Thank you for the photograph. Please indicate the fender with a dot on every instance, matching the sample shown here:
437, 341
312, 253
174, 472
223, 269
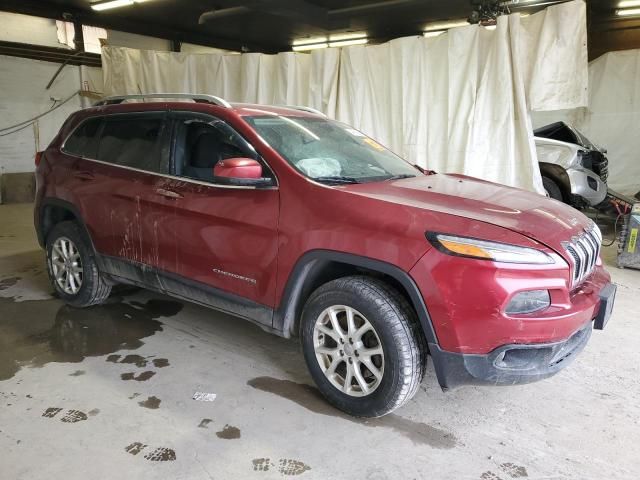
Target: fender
310, 266
55, 202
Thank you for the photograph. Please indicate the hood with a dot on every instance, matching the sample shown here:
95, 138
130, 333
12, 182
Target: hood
545, 220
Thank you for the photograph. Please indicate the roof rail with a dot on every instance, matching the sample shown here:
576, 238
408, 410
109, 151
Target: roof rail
306, 109
188, 96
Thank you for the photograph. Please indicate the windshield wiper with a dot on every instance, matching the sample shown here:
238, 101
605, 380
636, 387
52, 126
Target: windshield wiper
400, 177
336, 179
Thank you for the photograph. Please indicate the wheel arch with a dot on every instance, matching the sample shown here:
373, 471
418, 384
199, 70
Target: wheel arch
559, 176
318, 267
53, 211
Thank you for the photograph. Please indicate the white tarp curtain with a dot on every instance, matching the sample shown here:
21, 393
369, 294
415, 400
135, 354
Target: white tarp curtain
612, 118
459, 102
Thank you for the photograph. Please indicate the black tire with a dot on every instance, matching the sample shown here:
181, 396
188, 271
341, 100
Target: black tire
398, 330
95, 288
552, 189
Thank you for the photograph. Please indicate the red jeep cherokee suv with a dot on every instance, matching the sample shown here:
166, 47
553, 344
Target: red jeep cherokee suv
307, 227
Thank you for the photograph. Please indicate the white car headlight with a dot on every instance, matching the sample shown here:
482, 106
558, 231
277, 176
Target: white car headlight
485, 250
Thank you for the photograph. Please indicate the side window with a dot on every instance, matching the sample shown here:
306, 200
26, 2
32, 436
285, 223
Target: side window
135, 141
83, 142
202, 143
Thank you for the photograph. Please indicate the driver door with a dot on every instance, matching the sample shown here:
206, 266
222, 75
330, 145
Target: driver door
226, 235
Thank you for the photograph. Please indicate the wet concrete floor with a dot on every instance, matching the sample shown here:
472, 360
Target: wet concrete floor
149, 387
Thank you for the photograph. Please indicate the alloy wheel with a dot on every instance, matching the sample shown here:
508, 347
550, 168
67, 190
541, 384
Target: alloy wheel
66, 266
348, 350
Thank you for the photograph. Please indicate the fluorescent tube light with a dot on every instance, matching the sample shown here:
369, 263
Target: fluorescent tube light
628, 12
100, 6
445, 25
305, 48
309, 41
346, 43
338, 37
433, 33
629, 3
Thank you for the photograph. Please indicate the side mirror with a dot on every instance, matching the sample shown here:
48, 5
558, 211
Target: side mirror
240, 171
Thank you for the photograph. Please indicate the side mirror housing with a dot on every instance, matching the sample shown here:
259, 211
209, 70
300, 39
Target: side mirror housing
240, 171
238, 168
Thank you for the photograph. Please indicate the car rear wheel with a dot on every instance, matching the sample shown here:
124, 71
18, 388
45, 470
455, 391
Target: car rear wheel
552, 189
363, 346
72, 267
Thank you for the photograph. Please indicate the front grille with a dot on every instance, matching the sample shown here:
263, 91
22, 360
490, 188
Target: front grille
584, 249
600, 165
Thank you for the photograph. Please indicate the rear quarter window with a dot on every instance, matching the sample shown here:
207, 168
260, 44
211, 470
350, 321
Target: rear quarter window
84, 140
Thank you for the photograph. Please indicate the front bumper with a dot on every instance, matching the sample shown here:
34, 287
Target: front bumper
587, 185
509, 364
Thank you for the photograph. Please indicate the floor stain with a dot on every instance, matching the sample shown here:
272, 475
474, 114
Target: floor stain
51, 412
514, 471
151, 402
160, 362
36, 332
134, 396
262, 464
135, 448
71, 416
285, 466
77, 373
288, 466
310, 398
160, 454
94, 412
141, 377
137, 360
488, 475
204, 423
8, 282
229, 433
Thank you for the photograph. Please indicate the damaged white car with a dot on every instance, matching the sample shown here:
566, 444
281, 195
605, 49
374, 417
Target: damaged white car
574, 169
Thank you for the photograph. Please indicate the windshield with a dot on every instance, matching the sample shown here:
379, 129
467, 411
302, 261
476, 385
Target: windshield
330, 151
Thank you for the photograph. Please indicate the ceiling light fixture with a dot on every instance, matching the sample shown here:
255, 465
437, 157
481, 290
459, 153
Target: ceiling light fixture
109, 4
306, 48
333, 40
629, 3
628, 12
347, 43
440, 26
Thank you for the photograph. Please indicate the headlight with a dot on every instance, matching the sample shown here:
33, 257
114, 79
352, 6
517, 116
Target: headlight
482, 249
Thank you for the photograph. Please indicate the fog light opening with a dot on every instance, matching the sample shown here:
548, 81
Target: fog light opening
529, 302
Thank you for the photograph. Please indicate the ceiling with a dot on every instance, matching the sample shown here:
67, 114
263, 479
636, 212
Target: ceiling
272, 25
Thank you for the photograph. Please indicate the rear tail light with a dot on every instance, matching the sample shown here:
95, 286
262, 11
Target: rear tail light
38, 158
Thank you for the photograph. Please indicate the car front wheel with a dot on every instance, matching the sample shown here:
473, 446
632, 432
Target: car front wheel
363, 346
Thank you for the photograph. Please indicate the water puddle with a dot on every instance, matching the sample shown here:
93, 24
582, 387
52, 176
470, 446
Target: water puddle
310, 398
36, 332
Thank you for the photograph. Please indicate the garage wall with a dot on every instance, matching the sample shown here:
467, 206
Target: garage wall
23, 94
26, 29
612, 118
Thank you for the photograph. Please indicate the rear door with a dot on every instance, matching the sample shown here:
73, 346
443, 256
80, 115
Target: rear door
118, 193
227, 234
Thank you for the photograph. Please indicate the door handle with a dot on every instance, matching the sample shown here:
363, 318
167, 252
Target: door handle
168, 193
84, 176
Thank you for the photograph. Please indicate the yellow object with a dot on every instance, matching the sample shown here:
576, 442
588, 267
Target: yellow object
465, 249
374, 144
632, 240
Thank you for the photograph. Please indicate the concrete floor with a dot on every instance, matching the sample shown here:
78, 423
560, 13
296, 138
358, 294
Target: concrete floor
108, 393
